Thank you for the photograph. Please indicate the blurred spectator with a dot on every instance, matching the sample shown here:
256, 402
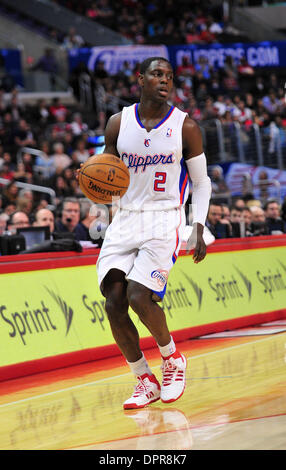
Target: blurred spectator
243, 113
259, 87
258, 221
77, 125
225, 212
246, 74
219, 186
60, 159
41, 113
44, 164
73, 40
185, 71
6, 172
247, 185
263, 185
214, 221
99, 72
81, 152
28, 162
69, 141
59, 128
47, 63
58, 109
235, 214
220, 105
17, 219
24, 204
10, 194
16, 110
105, 13
274, 222
246, 219
23, 135
246, 216
70, 218
206, 35
235, 220
9, 209
3, 223
230, 82
61, 187
92, 11
7, 132
203, 67
239, 203
43, 218
225, 218
270, 102
251, 202
244, 68
20, 174
192, 36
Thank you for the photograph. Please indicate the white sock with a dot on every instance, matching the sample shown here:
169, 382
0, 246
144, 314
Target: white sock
168, 349
140, 367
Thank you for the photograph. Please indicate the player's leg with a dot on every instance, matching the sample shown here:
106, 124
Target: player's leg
127, 338
116, 306
153, 317
140, 298
147, 281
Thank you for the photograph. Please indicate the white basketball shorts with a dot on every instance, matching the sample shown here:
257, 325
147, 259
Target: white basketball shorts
144, 245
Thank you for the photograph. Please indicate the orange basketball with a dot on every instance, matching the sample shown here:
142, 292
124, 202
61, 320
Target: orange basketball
103, 178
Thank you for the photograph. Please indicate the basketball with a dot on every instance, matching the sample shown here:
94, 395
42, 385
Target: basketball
103, 178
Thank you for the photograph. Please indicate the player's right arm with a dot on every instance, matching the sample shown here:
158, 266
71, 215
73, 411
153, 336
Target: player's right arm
111, 134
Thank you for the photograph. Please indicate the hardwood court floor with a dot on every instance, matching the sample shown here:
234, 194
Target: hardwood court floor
235, 399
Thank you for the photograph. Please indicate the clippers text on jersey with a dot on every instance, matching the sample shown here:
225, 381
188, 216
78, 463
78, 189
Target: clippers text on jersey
136, 161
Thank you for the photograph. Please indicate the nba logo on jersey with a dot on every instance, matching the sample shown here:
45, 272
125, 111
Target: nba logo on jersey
147, 142
169, 132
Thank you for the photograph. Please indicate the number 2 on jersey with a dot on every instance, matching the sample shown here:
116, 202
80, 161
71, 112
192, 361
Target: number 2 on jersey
160, 180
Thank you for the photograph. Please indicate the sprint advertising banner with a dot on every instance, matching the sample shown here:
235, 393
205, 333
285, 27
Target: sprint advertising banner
51, 312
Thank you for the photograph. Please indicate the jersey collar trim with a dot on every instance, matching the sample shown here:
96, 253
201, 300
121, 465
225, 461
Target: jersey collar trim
159, 123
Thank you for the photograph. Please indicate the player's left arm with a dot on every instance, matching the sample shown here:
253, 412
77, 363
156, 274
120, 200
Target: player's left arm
197, 168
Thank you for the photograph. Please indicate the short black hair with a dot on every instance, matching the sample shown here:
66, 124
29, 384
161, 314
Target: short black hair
234, 208
268, 202
214, 202
146, 63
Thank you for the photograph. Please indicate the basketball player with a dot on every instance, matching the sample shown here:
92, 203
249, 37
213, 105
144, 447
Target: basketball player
143, 240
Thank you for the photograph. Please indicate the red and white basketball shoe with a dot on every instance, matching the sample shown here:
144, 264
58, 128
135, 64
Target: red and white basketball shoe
146, 391
174, 377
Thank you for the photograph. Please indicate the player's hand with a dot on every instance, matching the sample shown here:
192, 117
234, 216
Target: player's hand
200, 251
77, 172
197, 243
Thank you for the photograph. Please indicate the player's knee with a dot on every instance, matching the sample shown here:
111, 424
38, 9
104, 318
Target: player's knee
116, 309
137, 301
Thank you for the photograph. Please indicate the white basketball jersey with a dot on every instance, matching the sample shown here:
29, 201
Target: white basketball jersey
158, 173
